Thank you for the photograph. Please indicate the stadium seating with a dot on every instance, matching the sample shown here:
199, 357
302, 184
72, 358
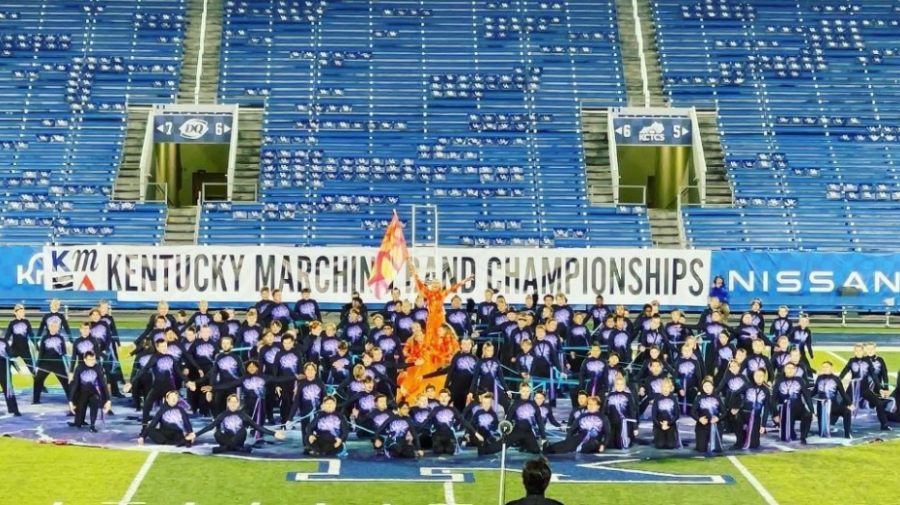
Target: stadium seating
70, 68
808, 115
473, 107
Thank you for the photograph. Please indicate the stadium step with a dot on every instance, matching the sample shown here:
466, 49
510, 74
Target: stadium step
128, 181
212, 40
631, 54
719, 192
665, 230
181, 226
246, 167
595, 126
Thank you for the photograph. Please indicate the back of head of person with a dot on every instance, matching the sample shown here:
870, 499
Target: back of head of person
536, 477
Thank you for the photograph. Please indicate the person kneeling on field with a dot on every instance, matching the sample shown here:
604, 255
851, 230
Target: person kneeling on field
326, 433
170, 426
88, 392
231, 428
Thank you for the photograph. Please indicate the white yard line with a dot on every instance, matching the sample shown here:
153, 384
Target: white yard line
449, 494
136, 483
753, 482
836, 356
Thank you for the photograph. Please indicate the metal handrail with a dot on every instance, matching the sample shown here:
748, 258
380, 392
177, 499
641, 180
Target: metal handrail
699, 156
613, 155
682, 200
638, 34
682, 234
141, 187
200, 52
643, 192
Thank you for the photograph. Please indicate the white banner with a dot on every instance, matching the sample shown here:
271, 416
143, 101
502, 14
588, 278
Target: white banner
236, 274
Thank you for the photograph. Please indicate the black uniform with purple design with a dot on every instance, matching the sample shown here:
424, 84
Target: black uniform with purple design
87, 391
246, 338
231, 431
419, 416
203, 353
227, 367
458, 319
589, 433
253, 389
865, 384
730, 389
6, 363
54, 317
287, 366
164, 369
754, 411
327, 429
151, 333
527, 425
709, 435
400, 437
460, 375
833, 403
80, 347
791, 401
19, 337
51, 360
308, 396
620, 409
665, 408
444, 420
486, 424
489, 379
592, 376
169, 426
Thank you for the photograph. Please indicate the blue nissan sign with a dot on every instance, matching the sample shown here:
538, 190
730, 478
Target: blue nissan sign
183, 128
652, 131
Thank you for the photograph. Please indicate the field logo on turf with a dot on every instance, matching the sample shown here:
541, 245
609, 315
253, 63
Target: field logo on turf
565, 472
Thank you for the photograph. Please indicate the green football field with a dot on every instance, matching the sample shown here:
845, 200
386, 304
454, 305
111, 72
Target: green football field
37, 474
46, 475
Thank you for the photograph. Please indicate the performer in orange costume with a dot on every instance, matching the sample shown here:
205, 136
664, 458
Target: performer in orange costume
437, 347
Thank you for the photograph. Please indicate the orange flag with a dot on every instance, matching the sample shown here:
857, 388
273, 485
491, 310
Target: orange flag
391, 256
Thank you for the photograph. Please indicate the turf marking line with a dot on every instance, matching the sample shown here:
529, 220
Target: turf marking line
136, 483
449, 495
837, 356
753, 482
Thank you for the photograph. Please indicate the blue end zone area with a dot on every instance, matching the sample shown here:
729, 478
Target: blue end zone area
47, 423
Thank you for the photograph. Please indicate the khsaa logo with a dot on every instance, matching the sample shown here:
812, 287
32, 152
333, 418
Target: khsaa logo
653, 133
193, 129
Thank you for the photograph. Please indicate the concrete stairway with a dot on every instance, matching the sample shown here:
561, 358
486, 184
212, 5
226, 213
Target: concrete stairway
594, 126
181, 226
246, 167
209, 78
719, 192
664, 229
128, 181
631, 54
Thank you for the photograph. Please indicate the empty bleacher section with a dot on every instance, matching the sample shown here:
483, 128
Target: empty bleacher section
470, 106
808, 114
69, 69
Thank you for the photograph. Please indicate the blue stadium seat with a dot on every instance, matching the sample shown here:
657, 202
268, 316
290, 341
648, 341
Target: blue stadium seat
473, 107
808, 117
70, 69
